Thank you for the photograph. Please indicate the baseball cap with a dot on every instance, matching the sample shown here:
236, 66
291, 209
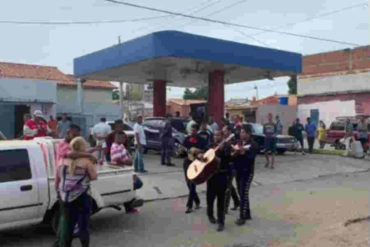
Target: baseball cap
37, 113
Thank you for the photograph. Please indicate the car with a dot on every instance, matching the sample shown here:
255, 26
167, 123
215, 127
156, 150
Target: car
27, 190
152, 129
337, 131
283, 142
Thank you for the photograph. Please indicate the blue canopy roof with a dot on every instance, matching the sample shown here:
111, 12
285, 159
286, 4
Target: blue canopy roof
185, 60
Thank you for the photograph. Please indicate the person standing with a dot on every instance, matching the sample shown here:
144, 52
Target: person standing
311, 134
363, 135
197, 142
166, 142
72, 184
190, 123
206, 133
231, 192
348, 138
100, 132
63, 126
298, 133
118, 128
213, 125
53, 126
140, 142
269, 130
279, 126
244, 154
35, 127
321, 134
217, 184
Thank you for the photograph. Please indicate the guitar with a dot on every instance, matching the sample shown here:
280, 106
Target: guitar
200, 171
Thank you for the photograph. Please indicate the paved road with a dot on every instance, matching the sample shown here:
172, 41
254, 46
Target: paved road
292, 205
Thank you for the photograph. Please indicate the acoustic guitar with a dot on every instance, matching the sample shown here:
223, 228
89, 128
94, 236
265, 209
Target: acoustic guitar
200, 171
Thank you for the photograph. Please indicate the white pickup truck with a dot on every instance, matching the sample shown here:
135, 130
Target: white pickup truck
27, 184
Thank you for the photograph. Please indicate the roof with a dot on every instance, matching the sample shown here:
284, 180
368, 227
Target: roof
185, 60
186, 102
47, 73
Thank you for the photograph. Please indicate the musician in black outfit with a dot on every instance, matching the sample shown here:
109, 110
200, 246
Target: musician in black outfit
193, 141
231, 191
244, 159
217, 184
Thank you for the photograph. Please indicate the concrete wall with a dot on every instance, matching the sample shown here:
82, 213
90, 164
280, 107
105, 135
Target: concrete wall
287, 114
334, 84
94, 95
26, 90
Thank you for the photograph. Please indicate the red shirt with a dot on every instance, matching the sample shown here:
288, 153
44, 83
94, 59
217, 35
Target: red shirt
32, 125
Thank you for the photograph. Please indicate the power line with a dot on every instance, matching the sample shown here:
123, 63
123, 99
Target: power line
230, 24
315, 17
80, 22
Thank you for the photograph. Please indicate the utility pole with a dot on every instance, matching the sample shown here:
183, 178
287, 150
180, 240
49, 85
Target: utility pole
121, 98
256, 88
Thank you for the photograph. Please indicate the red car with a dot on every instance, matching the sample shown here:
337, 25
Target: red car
336, 132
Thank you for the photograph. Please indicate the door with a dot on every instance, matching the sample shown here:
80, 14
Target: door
18, 188
20, 110
315, 117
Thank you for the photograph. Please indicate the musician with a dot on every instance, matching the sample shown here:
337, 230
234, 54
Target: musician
244, 155
231, 191
195, 146
217, 184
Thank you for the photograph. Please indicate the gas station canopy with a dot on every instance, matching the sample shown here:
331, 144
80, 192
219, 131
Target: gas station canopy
185, 60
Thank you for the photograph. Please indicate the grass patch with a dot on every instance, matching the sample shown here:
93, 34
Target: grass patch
329, 152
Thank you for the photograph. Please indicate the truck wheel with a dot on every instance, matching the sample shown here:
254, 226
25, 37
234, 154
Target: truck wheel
145, 150
281, 151
54, 221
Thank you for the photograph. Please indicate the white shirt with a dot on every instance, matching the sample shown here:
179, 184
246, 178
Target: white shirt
101, 130
139, 129
214, 127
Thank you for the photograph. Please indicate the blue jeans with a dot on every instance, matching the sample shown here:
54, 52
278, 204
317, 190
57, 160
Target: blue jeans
139, 160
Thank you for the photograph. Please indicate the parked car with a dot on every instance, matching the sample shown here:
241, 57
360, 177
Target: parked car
337, 131
27, 185
153, 127
283, 143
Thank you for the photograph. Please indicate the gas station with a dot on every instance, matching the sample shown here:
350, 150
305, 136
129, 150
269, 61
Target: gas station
178, 59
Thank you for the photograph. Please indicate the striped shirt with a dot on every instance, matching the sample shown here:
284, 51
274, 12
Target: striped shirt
118, 153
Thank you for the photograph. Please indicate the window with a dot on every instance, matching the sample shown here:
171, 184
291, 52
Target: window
337, 126
14, 165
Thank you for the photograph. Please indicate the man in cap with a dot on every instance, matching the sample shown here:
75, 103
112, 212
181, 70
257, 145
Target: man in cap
35, 127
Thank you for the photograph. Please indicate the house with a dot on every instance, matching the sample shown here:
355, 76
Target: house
184, 106
26, 88
335, 84
23, 89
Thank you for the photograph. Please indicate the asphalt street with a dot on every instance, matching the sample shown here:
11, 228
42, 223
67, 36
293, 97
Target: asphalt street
304, 201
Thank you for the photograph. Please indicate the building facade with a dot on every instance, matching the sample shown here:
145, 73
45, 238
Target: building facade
335, 84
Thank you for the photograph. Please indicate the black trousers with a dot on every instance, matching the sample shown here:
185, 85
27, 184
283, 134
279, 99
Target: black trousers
231, 192
311, 141
216, 188
166, 150
244, 179
75, 213
193, 196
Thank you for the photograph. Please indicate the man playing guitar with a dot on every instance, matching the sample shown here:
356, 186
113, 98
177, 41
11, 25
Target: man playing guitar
217, 184
196, 146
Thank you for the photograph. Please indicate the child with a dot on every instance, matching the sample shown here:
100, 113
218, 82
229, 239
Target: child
119, 154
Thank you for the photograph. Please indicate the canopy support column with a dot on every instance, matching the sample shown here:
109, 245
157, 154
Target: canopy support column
216, 95
159, 98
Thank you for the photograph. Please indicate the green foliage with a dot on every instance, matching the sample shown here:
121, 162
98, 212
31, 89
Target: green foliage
199, 93
292, 85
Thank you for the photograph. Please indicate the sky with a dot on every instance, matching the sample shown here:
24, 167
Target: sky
58, 45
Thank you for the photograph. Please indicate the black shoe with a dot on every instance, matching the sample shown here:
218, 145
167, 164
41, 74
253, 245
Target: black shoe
248, 217
212, 220
235, 207
170, 164
163, 163
240, 222
220, 227
197, 206
144, 171
188, 210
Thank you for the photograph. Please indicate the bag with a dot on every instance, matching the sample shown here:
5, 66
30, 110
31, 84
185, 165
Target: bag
137, 183
357, 150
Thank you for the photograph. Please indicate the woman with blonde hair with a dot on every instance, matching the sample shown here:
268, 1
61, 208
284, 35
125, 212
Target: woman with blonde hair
73, 184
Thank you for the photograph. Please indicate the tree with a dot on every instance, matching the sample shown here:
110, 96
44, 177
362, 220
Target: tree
292, 84
199, 93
